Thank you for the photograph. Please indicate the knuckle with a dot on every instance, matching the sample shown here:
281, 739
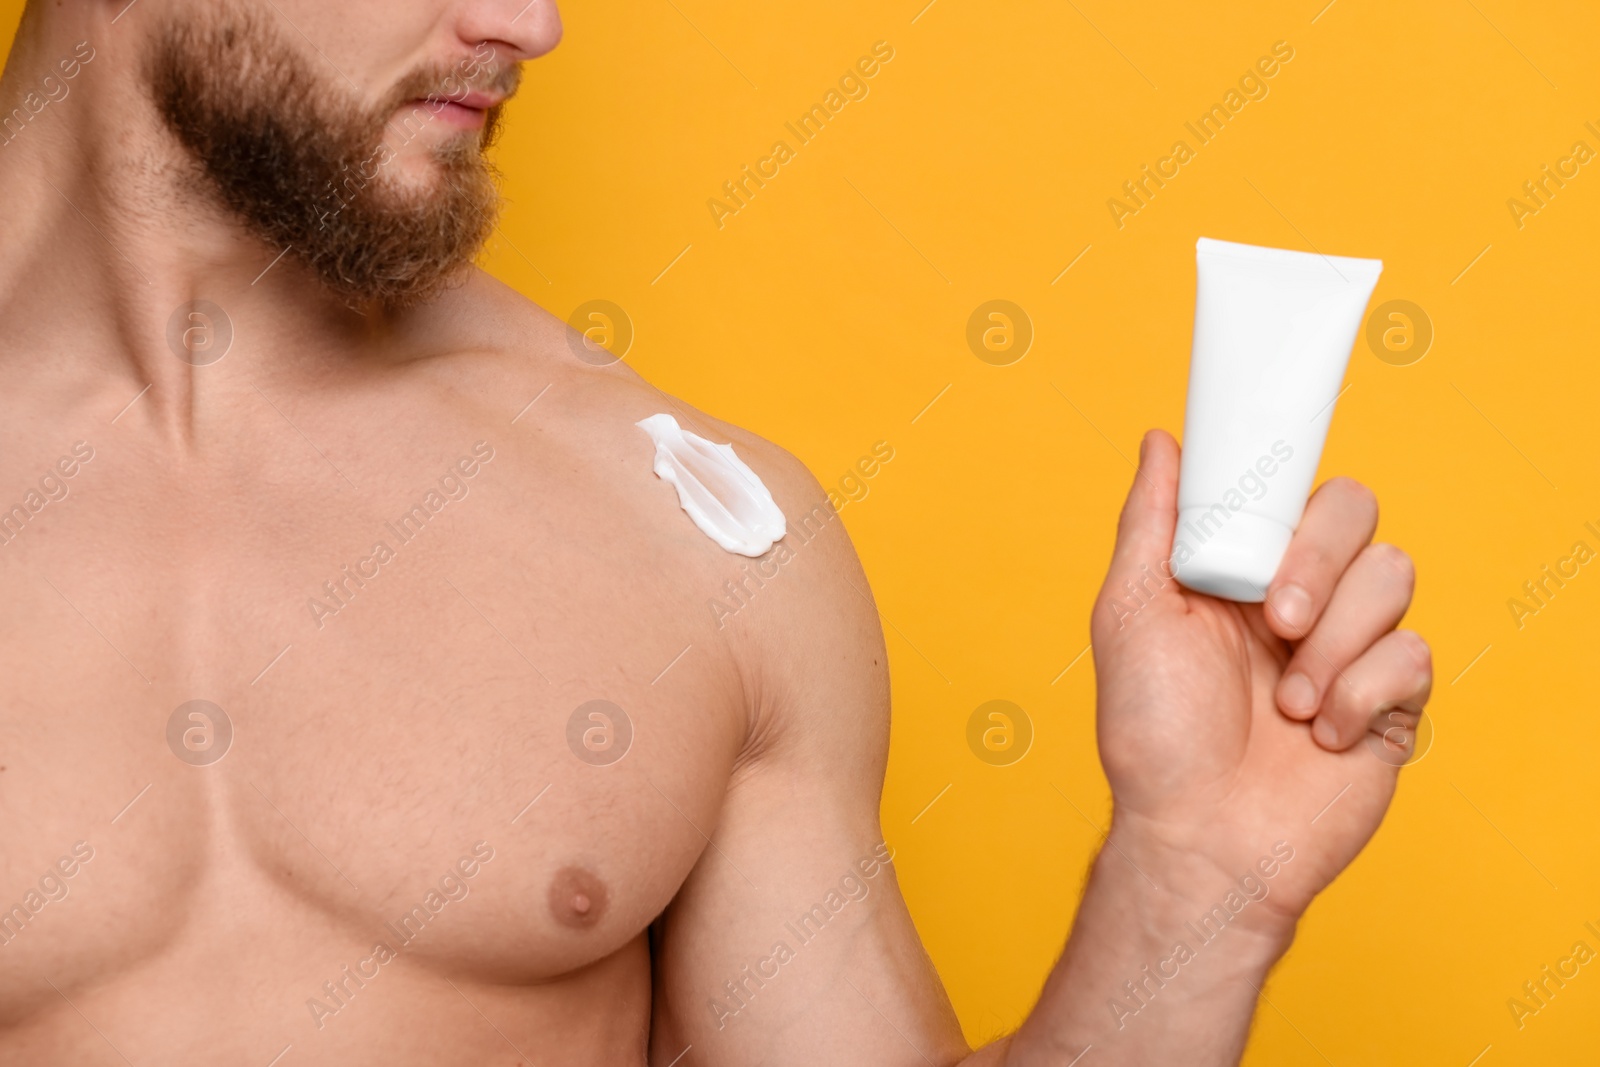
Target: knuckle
1401, 716
1356, 493
1395, 562
1314, 666
1360, 701
1418, 649
1314, 561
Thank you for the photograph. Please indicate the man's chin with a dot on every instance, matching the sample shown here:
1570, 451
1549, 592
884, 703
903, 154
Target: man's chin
405, 245
415, 178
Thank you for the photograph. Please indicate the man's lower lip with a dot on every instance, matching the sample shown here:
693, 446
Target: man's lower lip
456, 114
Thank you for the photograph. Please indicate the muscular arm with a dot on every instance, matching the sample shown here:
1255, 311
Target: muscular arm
1217, 843
790, 943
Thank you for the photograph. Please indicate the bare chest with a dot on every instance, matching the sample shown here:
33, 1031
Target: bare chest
438, 712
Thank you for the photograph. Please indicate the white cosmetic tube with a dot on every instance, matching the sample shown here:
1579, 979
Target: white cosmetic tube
1273, 331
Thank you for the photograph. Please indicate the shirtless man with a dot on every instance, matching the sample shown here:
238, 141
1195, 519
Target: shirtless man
269, 440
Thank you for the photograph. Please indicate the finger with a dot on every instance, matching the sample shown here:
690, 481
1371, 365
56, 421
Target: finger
1370, 599
1383, 692
1340, 517
1141, 562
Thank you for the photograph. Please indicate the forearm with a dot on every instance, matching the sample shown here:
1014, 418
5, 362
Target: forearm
1144, 979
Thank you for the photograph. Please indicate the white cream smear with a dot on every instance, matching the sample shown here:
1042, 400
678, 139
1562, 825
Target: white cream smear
723, 496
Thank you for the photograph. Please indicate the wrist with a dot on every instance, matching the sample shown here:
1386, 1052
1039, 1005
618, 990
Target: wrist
1151, 973
1183, 895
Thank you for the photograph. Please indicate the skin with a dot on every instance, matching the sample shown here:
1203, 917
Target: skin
422, 730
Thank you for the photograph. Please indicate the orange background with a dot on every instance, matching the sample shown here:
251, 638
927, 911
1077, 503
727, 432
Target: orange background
832, 308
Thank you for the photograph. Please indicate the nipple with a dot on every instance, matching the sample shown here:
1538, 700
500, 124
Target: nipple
577, 898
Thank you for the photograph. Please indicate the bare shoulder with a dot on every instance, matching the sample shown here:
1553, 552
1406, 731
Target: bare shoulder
800, 617
806, 614
806, 620
513, 355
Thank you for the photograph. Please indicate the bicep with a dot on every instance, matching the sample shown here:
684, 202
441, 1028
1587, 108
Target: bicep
790, 943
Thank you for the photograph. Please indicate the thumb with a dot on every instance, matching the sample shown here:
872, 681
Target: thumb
1143, 551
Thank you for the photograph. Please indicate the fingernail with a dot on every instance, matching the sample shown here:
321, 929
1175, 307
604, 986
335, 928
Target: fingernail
1297, 693
1144, 445
1325, 733
1293, 606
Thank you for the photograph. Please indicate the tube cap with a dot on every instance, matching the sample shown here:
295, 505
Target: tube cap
1234, 557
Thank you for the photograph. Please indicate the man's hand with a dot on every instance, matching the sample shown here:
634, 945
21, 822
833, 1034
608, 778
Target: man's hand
1233, 735
1225, 728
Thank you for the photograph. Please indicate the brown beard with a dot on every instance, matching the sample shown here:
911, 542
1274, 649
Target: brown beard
299, 162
